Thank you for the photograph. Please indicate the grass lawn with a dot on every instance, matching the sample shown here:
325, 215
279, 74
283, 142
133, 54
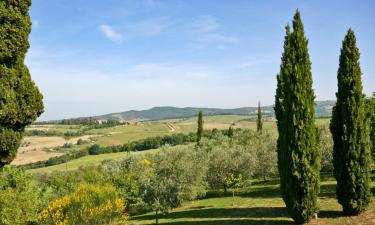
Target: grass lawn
87, 160
259, 204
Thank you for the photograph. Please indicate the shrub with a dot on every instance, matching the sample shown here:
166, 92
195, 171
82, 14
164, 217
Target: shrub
88, 204
20, 197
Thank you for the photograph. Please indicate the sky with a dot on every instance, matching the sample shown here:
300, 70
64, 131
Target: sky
96, 57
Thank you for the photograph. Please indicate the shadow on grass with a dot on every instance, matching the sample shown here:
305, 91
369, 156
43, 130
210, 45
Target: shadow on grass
233, 222
330, 214
263, 192
256, 212
327, 191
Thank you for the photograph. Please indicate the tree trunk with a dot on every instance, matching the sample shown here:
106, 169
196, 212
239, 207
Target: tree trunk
233, 197
156, 217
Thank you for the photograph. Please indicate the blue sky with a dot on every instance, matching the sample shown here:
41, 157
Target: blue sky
96, 57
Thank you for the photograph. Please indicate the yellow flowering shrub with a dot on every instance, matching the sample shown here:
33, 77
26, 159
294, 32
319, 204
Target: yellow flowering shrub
88, 204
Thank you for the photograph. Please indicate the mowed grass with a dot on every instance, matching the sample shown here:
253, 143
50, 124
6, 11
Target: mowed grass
257, 205
87, 160
125, 134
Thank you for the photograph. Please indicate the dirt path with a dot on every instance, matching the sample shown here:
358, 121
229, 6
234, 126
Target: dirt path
171, 127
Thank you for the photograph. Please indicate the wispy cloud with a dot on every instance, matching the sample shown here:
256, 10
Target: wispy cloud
150, 27
206, 24
208, 31
110, 33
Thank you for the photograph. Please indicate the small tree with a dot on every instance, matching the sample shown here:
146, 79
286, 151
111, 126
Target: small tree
351, 149
161, 194
259, 119
233, 182
230, 131
200, 126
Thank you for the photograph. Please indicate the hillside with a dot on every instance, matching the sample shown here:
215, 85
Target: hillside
323, 109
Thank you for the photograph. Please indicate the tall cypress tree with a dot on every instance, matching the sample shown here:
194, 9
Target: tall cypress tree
200, 126
259, 119
351, 149
20, 100
298, 154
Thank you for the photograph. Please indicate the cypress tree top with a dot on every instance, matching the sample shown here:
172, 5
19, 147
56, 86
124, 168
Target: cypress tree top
200, 126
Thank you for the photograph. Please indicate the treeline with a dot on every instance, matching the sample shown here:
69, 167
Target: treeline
90, 122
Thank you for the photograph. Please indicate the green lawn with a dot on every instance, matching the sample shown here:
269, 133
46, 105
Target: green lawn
259, 204
87, 160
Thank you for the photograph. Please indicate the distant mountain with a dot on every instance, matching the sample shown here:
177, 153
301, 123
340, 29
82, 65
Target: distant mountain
323, 109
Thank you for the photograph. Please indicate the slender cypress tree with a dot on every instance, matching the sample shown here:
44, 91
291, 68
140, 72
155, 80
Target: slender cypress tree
230, 131
20, 100
259, 119
351, 149
298, 154
200, 126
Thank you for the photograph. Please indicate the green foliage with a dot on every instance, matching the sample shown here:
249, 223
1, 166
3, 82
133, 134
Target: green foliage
230, 131
259, 119
351, 150
227, 157
371, 114
200, 127
20, 198
326, 144
20, 101
298, 155
88, 204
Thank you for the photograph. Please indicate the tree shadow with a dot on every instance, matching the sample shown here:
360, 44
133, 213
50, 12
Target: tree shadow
263, 192
330, 214
255, 212
327, 191
233, 222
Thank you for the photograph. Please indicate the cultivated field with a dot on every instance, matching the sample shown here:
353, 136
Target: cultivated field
36, 148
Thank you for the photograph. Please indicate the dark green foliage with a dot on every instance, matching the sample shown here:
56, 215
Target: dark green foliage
20, 100
298, 155
259, 119
230, 131
371, 114
351, 150
200, 127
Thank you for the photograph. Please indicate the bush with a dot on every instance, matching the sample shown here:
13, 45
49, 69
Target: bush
88, 204
20, 197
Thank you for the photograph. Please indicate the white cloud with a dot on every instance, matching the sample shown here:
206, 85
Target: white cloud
111, 34
218, 38
73, 91
150, 27
207, 31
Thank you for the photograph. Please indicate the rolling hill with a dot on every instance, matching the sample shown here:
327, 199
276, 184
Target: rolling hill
322, 109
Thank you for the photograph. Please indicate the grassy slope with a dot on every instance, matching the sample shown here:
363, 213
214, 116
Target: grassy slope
87, 160
259, 204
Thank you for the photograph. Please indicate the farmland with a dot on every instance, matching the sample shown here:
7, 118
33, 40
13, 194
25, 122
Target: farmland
39, 147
